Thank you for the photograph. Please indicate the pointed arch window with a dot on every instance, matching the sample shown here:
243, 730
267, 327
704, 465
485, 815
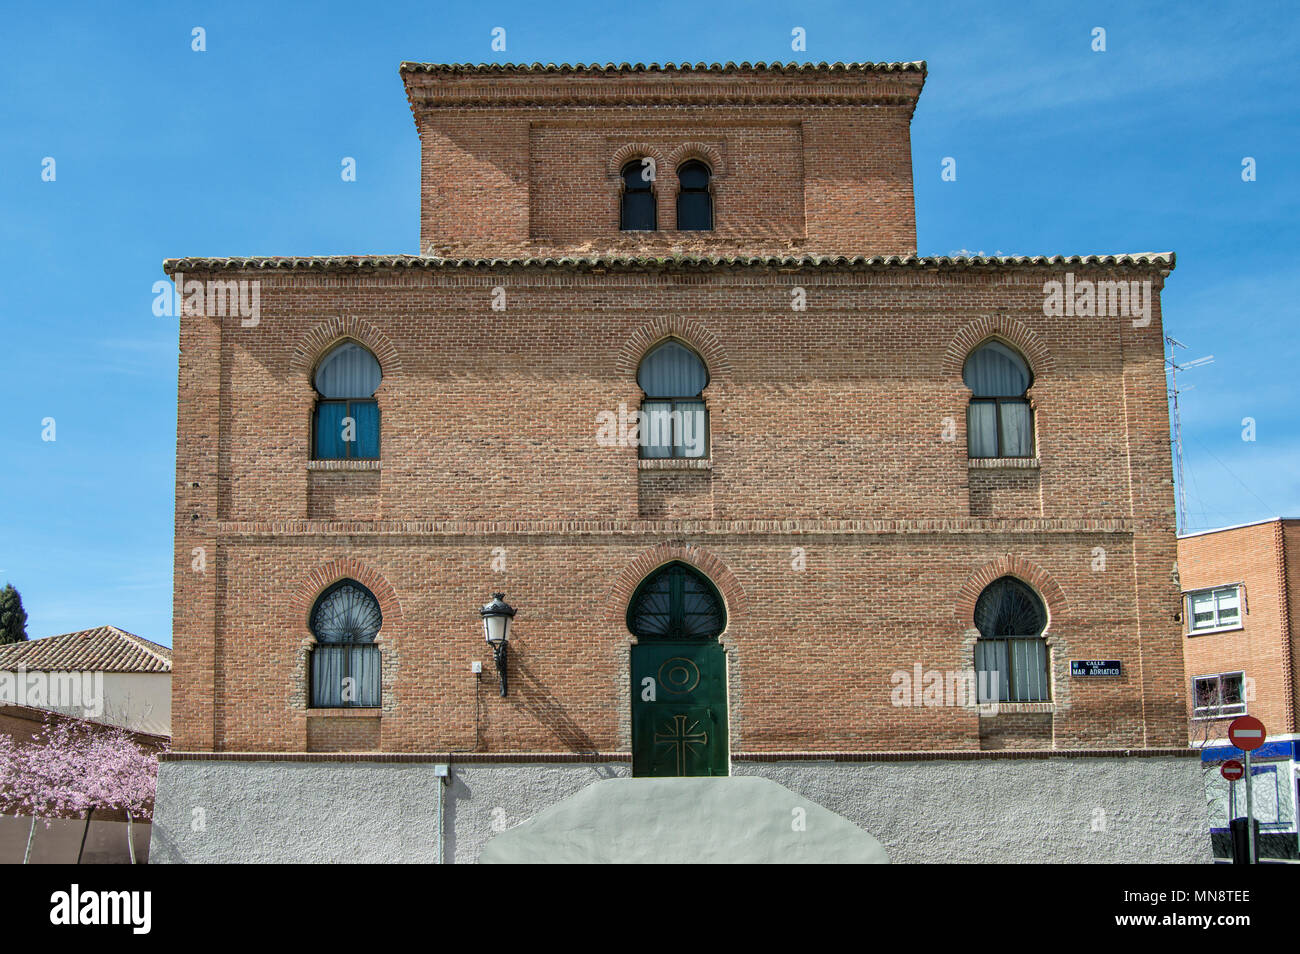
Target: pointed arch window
345, 422
694, 197
999, 421
1011, 654
676, 602
674, 418
345, 663
637, 204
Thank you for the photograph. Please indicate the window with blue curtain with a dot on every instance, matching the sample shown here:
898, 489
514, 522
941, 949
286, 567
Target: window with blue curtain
345, 663
674, 419
637, 204
345, 423
694, 199
999, 421
1011, 654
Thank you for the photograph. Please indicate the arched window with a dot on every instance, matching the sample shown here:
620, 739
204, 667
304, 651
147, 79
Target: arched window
674, 420
999, 422
1010, 654
345, 661
346, 419
637, 206
676, 602
694, 200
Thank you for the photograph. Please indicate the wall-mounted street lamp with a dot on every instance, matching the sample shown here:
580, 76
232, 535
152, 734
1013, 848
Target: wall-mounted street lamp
497, 617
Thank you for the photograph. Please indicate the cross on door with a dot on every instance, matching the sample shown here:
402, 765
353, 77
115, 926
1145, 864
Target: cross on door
681, 738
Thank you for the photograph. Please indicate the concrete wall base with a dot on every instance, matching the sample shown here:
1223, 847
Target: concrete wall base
1057, 809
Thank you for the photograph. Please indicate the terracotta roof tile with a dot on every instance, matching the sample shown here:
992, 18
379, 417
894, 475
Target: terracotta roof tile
358, 262
917, 66
102, 649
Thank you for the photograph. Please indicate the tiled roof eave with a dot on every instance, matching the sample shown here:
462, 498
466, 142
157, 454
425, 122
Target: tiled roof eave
1161, 260
499, 69
102, 649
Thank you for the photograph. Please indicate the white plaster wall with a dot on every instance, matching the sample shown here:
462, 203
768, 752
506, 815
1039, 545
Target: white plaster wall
1062, 810
140, 701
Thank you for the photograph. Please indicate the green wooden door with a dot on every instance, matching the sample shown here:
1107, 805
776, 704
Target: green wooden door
679, 709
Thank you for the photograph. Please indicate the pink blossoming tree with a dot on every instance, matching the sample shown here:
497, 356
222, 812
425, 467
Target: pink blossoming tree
72, 767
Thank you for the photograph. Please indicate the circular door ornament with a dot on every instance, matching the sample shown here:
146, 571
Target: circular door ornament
679, 675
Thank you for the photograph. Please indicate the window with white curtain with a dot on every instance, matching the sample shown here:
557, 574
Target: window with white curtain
1216, 608
345, 663
999, 421
674, 419
1011, 655
345, 422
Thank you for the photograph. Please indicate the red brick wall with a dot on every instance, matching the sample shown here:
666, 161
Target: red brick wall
1254, 556
528, 163
827, 434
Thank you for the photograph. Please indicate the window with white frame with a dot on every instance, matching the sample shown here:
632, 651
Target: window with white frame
1219, 696
1216, 608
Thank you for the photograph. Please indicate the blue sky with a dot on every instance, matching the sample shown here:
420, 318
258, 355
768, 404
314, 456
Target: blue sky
162, 151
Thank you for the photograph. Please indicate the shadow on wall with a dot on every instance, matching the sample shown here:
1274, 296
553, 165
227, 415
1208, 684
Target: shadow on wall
59, 844
535, 699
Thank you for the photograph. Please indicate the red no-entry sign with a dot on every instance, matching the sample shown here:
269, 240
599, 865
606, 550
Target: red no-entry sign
1246, 733
1232, 770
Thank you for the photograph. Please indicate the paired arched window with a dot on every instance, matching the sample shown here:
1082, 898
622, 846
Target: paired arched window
999, 421
694, 198
637, 206
676, 602
345, 424
674, 419
345, 663
1011, 654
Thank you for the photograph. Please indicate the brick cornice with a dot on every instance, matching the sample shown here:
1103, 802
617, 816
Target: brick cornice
431, 86
233, 529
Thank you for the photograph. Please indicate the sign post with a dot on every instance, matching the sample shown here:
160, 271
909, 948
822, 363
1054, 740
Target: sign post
1247, 733
1232, 770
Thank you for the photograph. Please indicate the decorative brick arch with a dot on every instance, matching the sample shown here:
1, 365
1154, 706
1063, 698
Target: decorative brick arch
322, 337
1015, 333
690, 331
1058, 609
707, 562
633, 150
707, 154
347, 568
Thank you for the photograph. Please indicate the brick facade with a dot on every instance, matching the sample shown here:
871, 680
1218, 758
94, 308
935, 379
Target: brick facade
1264, 559
837, 511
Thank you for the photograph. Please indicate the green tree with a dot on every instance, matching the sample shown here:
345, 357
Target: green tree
13, 618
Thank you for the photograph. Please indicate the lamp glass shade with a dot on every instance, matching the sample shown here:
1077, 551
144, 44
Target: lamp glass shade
496, 628
497, 616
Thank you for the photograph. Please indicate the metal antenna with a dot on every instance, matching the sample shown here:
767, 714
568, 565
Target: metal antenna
1172, 369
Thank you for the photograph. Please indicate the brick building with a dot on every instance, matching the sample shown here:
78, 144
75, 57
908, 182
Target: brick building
1241, 592
863, 482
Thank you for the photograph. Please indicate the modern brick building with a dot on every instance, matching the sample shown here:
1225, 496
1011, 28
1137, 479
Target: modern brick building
1241, 592
861, 478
